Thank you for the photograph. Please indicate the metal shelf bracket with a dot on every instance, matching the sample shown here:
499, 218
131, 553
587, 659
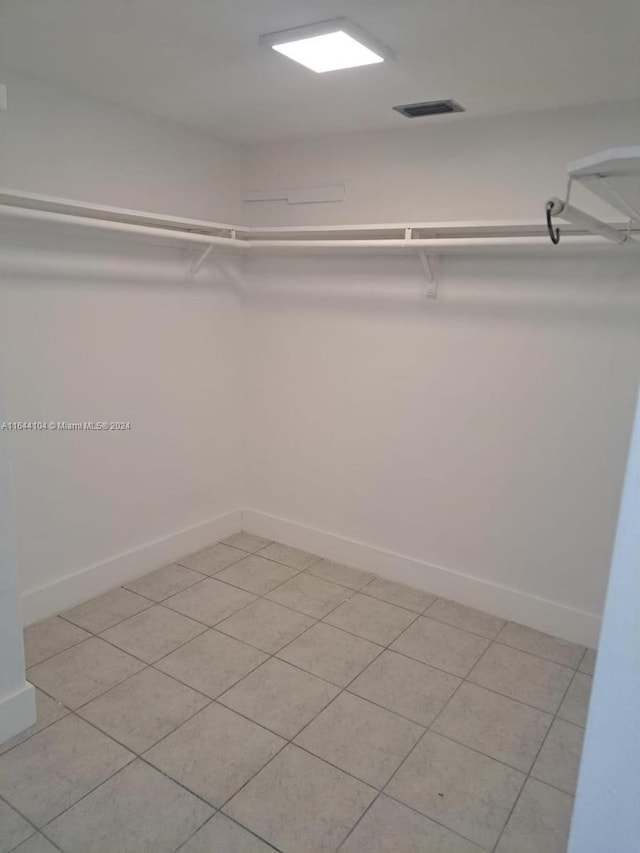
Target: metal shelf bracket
430, 264
195, 266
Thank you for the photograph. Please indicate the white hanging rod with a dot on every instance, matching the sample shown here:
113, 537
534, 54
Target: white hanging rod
437, 244
122, 227
447, 237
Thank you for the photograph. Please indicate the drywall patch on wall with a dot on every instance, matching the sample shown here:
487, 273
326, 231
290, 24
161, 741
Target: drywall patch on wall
500, 168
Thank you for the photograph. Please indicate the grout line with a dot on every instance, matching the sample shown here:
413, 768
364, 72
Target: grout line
147, 665
469, 630
111, 776
242, 556
359, 821
500, 642
342, 689
67, 711
42, 829
533, 764
232, 820
195, 831
415, 811
147, 602
177, 592
290, 741
24, 817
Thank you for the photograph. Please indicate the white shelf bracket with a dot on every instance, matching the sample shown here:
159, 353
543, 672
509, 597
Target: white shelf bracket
195, 266
430, 268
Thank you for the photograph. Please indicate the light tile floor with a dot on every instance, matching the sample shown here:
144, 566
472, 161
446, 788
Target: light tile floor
254, 697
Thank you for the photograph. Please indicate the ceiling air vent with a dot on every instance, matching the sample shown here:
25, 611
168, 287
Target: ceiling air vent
429, 108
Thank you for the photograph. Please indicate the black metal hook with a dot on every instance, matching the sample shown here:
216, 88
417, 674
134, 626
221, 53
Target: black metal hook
553, 234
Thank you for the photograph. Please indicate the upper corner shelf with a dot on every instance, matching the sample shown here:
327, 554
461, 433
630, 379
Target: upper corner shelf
614, 176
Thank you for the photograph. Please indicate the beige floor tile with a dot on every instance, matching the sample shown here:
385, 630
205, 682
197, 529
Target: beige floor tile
310, 595
222, 835
559, 758
266, 625
212, 663
47, 711
523, 677
499, 727
540, 821
257, 575
136, 811
83, 672
36, 844
154, 633
280, 697
52, 770
98, 614
246, 542
14, 829
360, 738
370, 618
575, 705
543, 645
390, 827
210, 601
338, 573
143, 709
468, 618
45, 639
212, 559
300, 803
292, 557
330, 653
442, 646
588, 662
462, 789
397, 593
406, 686
215, 753
164, 582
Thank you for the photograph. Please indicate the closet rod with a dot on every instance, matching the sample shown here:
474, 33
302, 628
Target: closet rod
435, 243
465, 236
123, 227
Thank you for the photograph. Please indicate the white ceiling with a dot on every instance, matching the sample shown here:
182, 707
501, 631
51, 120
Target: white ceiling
198, 61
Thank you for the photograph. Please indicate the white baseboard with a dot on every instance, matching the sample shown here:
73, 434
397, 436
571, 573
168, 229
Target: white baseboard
67, 591
543, 614
549, 616
17, 712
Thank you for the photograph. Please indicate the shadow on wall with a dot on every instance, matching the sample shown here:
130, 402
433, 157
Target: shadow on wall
603, 288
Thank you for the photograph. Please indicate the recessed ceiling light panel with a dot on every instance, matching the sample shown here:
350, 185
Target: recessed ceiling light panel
328, 45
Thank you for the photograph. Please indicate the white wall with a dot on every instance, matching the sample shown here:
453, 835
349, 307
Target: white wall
458, 169
110, 329
17, 698
606, 815
484, 434
431, 432
82, 148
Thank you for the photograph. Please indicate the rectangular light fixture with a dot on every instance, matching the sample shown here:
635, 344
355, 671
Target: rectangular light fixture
328, 45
